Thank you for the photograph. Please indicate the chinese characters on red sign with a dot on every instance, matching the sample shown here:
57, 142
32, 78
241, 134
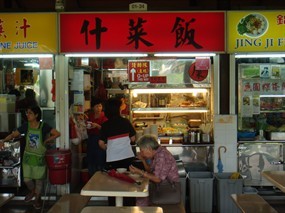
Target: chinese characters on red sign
139, 32
138, 71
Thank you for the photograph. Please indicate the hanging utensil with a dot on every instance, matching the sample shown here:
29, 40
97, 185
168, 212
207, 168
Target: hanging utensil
220, 164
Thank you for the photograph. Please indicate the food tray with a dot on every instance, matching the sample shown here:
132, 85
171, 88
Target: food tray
275, 136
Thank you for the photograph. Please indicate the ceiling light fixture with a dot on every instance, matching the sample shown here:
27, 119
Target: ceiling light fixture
272, 96
259, 55
107, 55
27, 56
184, 54
170, 90
169, 110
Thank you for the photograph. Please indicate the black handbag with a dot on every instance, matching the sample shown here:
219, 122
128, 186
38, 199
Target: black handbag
165, 192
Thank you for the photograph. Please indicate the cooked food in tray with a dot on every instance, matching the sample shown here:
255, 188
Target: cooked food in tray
139, 104
163, 130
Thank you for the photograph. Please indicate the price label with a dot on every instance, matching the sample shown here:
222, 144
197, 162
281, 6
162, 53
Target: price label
138, 6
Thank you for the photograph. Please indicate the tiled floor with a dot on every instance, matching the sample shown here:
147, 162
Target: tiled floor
19, 206
278, 205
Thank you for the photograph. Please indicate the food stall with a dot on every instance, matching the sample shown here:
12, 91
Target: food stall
166, 75
256, 45
26, 62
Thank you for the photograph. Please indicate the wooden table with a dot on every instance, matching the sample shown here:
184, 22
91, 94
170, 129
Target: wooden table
101, 184
249, 203
276, 177
124, 209
71, 203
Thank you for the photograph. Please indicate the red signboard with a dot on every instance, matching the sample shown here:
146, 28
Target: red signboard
202, 63
138, 71
197, 75
157, 79
142, 32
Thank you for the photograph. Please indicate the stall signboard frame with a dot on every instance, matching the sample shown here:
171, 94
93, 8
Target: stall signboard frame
28, 33
255, 31
136, 32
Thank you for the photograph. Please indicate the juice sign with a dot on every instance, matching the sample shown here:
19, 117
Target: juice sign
138, 71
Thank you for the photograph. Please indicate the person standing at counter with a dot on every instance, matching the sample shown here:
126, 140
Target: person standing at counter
96, 157
38, 134
162, 167
116, 136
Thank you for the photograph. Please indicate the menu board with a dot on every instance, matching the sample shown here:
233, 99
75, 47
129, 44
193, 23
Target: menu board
262, 88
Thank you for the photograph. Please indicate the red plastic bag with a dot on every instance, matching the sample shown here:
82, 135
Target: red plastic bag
121, 176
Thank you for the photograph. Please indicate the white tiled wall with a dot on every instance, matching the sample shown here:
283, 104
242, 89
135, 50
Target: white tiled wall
225, 134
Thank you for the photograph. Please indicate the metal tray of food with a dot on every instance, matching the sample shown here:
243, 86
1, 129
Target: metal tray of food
275, 136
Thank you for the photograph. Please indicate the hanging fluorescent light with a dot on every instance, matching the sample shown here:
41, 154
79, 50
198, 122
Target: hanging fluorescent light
260, 55
117, 69
27, 56
272, 96
168, 110
170, 90
184, 54
32, 65
107, 55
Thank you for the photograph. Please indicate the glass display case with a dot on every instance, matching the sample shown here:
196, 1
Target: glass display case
254, 158
261, 97
261, 117
154, 101
173, 110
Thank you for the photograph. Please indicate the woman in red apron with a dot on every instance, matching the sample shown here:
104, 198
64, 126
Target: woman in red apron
38, 134
96, 157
